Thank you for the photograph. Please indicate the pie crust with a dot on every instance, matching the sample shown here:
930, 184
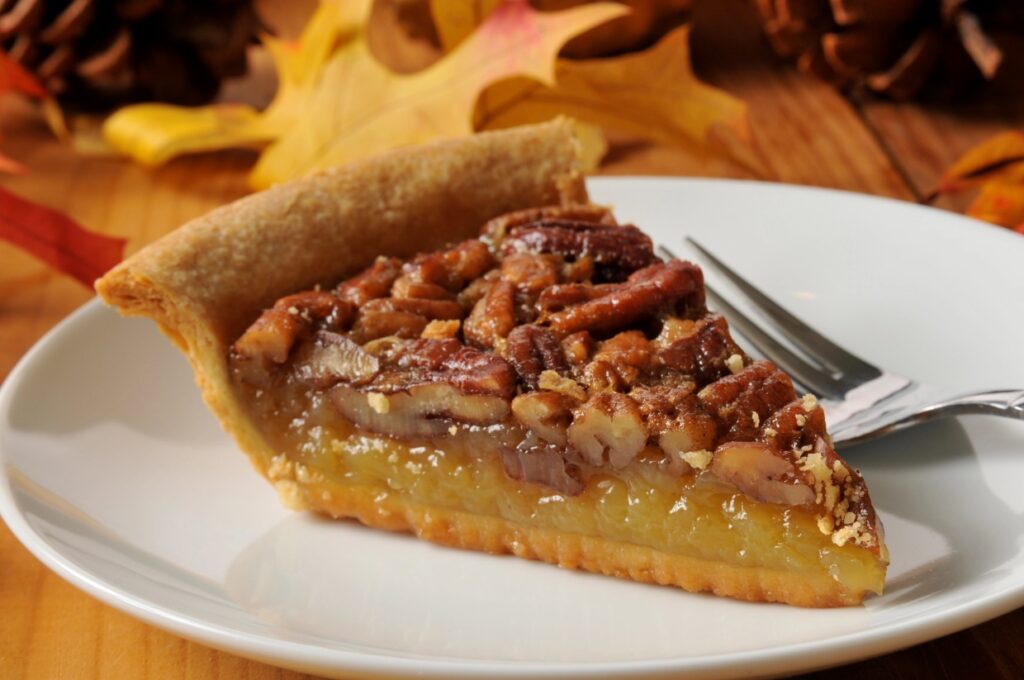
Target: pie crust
207, 282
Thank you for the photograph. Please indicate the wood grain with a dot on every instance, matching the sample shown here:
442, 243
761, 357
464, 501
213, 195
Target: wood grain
805, 133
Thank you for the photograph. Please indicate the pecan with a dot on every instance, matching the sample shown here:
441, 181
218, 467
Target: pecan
405, 287
557, 298
423, 385
743, 400
676, 420
417, 411
373, 325
373, 282
530, 273
793, 426
608, 425
641, 296
275, 333
578, 347
334, 358
629, 353
449, 361
476, 289
542, 463
761, 473
404, 317
450, 269
532, 350
493, 316
617, 251
547, 414
701, 350
496, 229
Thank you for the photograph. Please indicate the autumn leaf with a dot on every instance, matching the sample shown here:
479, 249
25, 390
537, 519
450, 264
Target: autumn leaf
337, 103
57, 240
996, 166
984, 162
155, 133
652, 93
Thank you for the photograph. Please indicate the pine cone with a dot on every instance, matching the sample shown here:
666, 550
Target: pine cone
892, 47
96, 54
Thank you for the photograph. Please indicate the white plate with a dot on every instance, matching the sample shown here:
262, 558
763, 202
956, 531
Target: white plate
117, 478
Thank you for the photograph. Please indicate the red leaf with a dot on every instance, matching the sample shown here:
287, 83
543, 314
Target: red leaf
13, 76
57, 240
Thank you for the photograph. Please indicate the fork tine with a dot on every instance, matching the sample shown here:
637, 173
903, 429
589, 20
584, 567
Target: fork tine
848, 368
812, 377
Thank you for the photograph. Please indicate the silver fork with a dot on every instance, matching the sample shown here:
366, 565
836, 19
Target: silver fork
861, 401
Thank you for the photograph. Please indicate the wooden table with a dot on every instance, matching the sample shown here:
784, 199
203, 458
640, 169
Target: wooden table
807, 134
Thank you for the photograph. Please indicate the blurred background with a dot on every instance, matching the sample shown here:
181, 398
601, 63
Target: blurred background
122, 119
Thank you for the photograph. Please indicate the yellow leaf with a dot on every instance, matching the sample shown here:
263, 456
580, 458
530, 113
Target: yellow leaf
653, 93
154, 133
455, 21
985, 161
359, 108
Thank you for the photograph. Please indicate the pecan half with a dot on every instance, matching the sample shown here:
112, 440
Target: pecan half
641, 296
448, 361
272, 336
616, 251
743, 400
373, 282
532, 350
423, 385
493, 316
404, 317
496, 229
547, 414
608, 426
542, 463
793, 426
450, 269
531, 273
762, 473
699, 349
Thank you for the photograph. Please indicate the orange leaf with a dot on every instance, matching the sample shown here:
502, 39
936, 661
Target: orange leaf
359, 108
57, 240
652, 93
984, 162
999, 203
14, 77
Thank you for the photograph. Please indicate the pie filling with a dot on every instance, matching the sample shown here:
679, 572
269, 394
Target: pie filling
555, 373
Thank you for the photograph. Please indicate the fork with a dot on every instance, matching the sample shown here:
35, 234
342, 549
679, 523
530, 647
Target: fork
861, 401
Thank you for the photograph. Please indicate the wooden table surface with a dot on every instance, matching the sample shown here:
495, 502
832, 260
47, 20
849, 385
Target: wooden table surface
807, 134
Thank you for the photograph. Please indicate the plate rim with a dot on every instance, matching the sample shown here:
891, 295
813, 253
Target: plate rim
799, 656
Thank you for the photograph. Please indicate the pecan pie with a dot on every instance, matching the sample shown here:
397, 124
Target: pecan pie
535, 381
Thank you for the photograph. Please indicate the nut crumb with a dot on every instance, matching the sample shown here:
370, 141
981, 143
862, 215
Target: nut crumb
550, 380
756, 418
734, 363
378, 402
698, 460
809, 403
439, 329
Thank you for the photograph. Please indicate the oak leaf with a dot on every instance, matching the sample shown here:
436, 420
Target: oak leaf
996, 167
337, 103
652, 93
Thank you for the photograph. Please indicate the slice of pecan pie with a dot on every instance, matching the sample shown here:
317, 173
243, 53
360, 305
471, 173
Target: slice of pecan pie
542, 385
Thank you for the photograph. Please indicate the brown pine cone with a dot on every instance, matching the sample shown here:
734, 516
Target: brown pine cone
95, 54
893, 47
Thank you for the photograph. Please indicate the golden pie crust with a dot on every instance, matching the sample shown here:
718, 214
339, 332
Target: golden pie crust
206, 282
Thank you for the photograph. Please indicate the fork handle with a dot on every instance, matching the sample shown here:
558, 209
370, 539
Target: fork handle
1008, 403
